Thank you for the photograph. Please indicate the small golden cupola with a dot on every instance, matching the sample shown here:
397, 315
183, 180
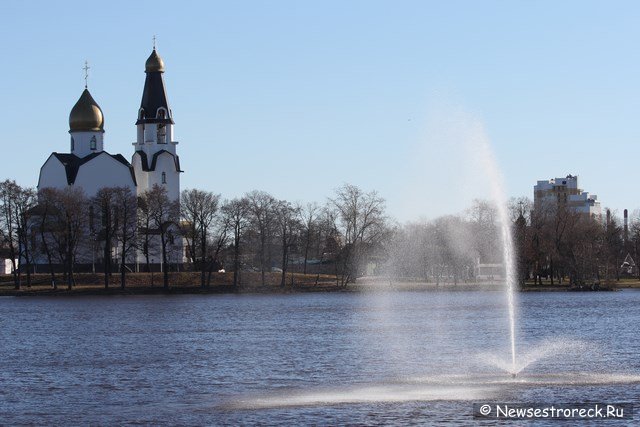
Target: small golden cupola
154, 63
86, 115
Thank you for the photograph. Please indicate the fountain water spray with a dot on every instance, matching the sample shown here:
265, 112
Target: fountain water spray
568, 347
498, 195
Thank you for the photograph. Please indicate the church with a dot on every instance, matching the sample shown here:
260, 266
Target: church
90, 167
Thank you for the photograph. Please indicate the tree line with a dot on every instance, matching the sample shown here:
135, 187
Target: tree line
347, 236
552, 242
558, 243
64, 230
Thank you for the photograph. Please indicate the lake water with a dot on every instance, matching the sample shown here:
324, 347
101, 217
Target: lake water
327, 358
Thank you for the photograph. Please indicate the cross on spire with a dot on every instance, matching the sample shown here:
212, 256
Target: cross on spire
154, 42
86, 73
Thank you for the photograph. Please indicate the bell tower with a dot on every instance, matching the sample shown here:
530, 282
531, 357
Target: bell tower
155, 160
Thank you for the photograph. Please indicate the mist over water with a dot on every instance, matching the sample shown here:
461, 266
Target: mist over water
457, 141
443, 173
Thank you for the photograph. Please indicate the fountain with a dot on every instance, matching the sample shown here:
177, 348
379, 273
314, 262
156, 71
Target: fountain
470, 382
496, 180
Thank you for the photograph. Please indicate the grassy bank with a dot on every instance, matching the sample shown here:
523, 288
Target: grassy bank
623, 283
179, 283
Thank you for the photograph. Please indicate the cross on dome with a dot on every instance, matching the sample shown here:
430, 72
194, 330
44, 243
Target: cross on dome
86, 73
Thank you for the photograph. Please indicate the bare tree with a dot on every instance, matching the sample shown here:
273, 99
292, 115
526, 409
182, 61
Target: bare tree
613, 247
521, 238
163, 214
104, 204
236, 215
634, 235
47, 198
67, 227
565, 243
538, 242
361, 221
484, 231
146, 243
288, 224
125, 226
520, 207
221, 229
9, 193
261, 207
332, 243
24, 204
189, 232
198, 212
308, 219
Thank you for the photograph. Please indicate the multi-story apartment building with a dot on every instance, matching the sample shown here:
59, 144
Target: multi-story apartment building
565, 192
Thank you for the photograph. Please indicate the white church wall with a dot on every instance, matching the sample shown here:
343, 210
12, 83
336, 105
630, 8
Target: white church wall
166, 164
175, 251
89, 252
52, 174
82, 143
103, 171
150, 133
170, 136
171, 147
141, 176
8, 266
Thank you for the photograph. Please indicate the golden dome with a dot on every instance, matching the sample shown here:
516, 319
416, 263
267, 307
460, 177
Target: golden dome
86, 115
154, 63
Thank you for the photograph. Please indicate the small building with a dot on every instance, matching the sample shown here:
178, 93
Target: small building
628, 267
6, 267
489, 272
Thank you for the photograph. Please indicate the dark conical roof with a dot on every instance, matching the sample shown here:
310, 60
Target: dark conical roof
154, 107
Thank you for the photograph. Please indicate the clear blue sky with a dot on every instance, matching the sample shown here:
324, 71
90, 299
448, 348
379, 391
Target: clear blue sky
297, 97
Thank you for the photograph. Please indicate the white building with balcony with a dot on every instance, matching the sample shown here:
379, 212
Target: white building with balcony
565, 192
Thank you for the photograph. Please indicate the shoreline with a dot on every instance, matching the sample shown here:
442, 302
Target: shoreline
92, 284
254, 287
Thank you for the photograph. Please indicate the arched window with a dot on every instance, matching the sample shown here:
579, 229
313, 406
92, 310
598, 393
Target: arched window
92, 143
141, 114
161, 113
164, 177
73, 144
162, 134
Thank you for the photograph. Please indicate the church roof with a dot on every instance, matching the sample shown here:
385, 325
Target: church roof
86, 114
72, 163
154, 94
154, 160
154, 63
